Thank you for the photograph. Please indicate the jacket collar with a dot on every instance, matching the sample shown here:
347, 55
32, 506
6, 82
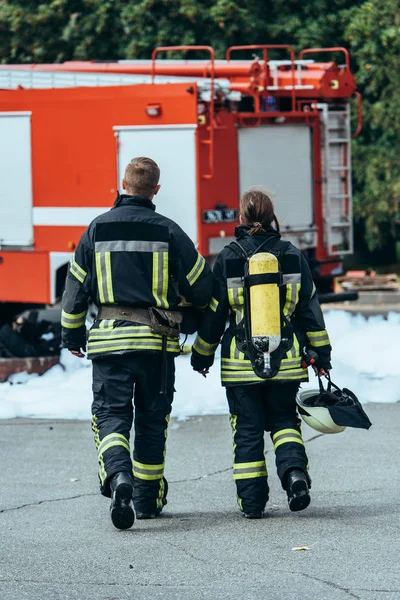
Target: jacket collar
243, 231
125, 199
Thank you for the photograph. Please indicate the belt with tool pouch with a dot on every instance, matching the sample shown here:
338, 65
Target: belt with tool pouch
160, 321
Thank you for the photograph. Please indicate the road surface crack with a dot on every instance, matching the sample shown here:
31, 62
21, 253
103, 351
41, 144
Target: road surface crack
4, 510
230, 468
331, 584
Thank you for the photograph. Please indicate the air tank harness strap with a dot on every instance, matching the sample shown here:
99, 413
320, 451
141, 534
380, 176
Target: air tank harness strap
263, 278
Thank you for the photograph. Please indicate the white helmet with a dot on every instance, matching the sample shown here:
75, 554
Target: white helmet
317, 417
330, 411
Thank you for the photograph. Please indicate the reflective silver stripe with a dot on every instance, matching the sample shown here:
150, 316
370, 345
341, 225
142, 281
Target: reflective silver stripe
102, 277
196, 271
131, 246
291, 297
131, 331
288, 363
260, 469
213, 304
76, 273
121, 345
163, 278
203, 347
285, 436
291, 278
234, 282
148, 472
236, 364
323, 337
113, 439
71, 319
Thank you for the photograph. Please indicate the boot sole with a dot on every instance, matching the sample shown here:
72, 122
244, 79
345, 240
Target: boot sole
301, 497
122, 513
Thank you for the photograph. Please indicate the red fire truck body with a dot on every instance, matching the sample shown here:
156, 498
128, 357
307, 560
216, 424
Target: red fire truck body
215, 128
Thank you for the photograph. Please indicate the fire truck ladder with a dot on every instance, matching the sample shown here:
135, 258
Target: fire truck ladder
338, 218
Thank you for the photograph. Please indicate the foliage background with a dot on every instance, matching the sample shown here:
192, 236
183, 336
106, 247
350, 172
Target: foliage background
59, 30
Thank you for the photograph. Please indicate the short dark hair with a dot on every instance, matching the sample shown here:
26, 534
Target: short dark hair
142, 175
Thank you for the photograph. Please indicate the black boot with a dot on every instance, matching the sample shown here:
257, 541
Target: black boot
122, 513
152, 514
297, 490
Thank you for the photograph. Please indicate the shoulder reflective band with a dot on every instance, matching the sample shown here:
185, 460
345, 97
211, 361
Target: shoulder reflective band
71, 321
263, 278
76, 270
318, 338
197, 270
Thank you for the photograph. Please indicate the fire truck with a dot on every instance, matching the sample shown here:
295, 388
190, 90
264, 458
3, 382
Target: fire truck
215, 127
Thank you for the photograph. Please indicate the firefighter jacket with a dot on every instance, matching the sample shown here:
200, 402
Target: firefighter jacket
298, 303
131, 255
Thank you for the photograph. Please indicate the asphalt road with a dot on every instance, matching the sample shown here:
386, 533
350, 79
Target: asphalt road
58, 543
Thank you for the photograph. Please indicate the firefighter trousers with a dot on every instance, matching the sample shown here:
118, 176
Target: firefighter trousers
269, 406
118, 380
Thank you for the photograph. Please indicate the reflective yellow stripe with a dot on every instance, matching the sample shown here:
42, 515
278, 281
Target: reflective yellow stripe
292, 298
250, 470
109, 440
289, 439
285, 436
236, 376
71, 321
102, 470
213, 304
148, 472
99, 278
250, 475
318, 338
76, 270
109, 278
138, 331
100, 347
203, 347
156, 257
284, 431
197, 270
112, 444
248, 465
164, 285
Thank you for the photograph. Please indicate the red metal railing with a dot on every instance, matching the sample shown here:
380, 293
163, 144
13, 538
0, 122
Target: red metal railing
325, 50
265, 48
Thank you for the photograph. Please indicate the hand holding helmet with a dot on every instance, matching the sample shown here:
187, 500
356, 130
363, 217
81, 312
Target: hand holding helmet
331, 411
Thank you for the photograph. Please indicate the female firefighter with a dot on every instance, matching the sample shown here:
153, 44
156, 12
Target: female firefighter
275, 323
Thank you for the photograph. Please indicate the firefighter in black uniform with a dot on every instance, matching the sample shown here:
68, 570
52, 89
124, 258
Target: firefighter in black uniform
258, 404
137, 266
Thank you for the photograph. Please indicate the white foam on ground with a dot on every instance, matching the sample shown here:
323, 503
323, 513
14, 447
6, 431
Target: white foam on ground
365, 359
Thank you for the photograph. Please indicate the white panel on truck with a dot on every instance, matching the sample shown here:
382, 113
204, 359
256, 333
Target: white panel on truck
278, 157
173, 148
16, 227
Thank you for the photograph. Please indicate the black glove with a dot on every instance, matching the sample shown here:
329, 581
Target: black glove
200, 362
322, 363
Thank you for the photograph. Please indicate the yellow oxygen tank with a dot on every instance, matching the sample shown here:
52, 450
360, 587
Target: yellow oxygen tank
265, 316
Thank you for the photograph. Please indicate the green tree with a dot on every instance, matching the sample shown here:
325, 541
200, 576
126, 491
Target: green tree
59, 30
374, 35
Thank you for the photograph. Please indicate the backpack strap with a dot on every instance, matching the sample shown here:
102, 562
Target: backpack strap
273, 245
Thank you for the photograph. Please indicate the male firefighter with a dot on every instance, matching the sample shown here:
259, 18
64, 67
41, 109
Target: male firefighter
136, 265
